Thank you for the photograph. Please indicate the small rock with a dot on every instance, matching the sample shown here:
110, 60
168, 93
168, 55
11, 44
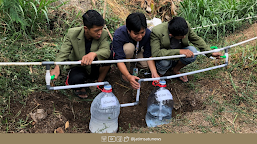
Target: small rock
176, 106
39, 115
193, 103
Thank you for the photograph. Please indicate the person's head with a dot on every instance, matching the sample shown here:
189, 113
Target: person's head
93, 24
136, 26
178, 27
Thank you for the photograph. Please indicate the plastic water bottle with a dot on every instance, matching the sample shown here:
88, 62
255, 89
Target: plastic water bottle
159, 106
105, 110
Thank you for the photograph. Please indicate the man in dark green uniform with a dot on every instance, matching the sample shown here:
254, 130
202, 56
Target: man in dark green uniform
172, 38
85, 44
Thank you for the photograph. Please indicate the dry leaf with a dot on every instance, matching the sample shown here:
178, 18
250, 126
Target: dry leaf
67, 125
33, 116
59, 130
30, 68
173, 9
33, 123
167, 17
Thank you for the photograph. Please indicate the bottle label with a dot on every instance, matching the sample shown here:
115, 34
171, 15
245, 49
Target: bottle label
108, 101
164, 95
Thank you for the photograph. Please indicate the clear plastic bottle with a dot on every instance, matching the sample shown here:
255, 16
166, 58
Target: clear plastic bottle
159, 106
105, 110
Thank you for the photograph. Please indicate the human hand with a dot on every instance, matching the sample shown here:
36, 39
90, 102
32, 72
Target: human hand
87, 59
217, 55
186, 52
55, 71
132, 80
155, 75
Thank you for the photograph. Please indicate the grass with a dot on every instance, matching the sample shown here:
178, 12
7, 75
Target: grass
230, 106
220, 12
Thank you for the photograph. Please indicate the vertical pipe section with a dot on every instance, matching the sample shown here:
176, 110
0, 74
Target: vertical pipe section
170, 77
226, 54
48, 77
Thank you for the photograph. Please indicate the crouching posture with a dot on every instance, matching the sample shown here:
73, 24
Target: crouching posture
85, 44
172, 38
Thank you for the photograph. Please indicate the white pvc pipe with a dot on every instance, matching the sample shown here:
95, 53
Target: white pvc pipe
175, 76
154, 58
136, 60
48, 77
128, 104
184, 74
78, 85
243, 42
125, 60
19, 63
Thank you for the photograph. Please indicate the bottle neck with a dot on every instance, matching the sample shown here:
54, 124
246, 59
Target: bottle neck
162, 85
107, 91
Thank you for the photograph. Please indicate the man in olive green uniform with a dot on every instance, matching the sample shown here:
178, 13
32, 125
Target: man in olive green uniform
172, 38
85, 44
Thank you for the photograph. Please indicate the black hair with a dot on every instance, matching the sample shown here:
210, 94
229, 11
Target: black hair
91, 18
178, 26
136, 21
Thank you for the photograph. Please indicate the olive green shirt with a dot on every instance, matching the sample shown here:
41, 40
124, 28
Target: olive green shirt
160, 41
73, 48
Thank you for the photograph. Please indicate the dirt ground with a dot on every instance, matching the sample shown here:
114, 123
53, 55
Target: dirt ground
62, 106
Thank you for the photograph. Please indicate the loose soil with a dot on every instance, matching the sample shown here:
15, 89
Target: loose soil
62, 106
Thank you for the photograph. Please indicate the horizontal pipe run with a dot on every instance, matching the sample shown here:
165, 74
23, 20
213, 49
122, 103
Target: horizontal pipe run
156, 58
135, 60
124, 60
78, 85
177, 75
237, 44
105, 61
19, 63
183, 74
129, 104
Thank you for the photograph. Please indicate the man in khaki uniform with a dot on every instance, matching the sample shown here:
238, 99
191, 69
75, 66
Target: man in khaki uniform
172, 38
85, 44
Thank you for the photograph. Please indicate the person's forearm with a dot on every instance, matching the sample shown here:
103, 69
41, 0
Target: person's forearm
151, 65
57, 67
123, 69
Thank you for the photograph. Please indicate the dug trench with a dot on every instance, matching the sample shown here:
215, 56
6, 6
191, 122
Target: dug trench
62, 106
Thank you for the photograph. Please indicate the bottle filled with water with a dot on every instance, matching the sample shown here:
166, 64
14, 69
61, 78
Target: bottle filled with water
159, 106
105, 110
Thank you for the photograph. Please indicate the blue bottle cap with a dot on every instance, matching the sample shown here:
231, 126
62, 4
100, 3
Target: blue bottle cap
107, 87
162, 82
